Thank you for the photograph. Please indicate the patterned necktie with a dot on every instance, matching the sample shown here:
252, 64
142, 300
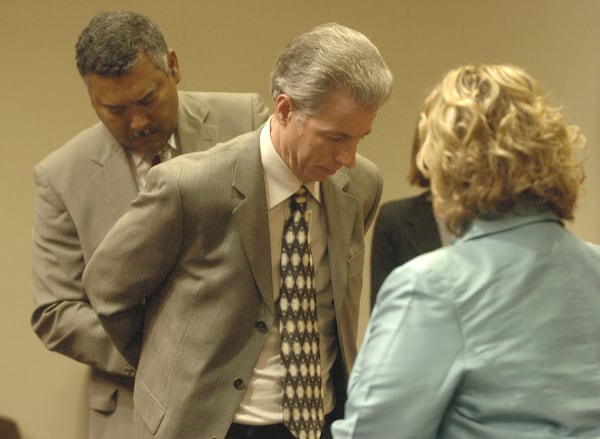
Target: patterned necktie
300, 359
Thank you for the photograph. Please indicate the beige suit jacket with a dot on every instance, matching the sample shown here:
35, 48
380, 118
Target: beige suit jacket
81, 190
193, 249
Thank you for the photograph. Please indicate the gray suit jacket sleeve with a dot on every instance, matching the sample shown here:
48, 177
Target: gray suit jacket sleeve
63, 318
122, 312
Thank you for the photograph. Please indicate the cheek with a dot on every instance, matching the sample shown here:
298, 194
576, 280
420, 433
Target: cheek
114, 125
171, 103
164, 116
306, 153
313, 146
320, 152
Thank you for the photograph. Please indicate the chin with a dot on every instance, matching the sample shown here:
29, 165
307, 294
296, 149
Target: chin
320, 178
328, 173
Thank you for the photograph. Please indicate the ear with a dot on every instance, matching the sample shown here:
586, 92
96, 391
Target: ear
284, 106
174, 66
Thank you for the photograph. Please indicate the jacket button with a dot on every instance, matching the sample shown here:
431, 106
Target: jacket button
129, 371
238, 384
261, 326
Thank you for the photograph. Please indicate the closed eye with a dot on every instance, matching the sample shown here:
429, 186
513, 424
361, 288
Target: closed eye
115, 111
148, 101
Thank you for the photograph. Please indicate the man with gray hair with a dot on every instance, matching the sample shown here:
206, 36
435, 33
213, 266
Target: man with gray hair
234, 281
86, 185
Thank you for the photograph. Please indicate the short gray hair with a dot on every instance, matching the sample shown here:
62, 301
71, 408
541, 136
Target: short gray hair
330, 58
111, 44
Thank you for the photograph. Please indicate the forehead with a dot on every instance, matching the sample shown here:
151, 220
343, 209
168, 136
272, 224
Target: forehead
142, 80
339, 113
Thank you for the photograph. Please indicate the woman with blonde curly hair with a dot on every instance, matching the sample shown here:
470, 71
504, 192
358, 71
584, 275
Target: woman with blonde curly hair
497, 335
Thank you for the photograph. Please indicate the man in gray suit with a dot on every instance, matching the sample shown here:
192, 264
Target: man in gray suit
85, 186
188, 282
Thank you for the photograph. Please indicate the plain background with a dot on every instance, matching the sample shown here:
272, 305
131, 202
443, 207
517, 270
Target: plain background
230, 45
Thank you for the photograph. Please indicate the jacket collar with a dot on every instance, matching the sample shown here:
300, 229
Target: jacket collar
519, 217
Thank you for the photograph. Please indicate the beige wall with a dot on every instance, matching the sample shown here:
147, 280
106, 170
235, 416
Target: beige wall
230, 45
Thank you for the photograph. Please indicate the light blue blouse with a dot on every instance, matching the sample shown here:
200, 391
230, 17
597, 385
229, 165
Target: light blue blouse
494, 337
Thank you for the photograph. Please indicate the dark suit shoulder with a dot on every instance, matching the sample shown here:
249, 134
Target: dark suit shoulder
410, 208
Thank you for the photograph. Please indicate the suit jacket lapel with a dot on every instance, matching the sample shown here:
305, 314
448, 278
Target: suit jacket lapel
114, 181
341, 213
193, 133
251, 215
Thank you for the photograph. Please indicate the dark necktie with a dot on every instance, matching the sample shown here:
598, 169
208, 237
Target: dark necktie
300, 359
156, 159
163, 155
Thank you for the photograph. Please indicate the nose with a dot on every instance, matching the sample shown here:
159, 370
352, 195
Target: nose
346, 155
139, 121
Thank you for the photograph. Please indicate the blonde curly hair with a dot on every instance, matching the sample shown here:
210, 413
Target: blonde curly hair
491, 141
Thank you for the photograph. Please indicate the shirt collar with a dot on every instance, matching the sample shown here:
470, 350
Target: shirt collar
280, 181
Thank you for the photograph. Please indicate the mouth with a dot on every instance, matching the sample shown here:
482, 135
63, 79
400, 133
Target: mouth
326, 172
330, 171
140, 136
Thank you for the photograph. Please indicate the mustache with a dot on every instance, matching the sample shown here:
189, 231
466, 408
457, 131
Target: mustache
139, 134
